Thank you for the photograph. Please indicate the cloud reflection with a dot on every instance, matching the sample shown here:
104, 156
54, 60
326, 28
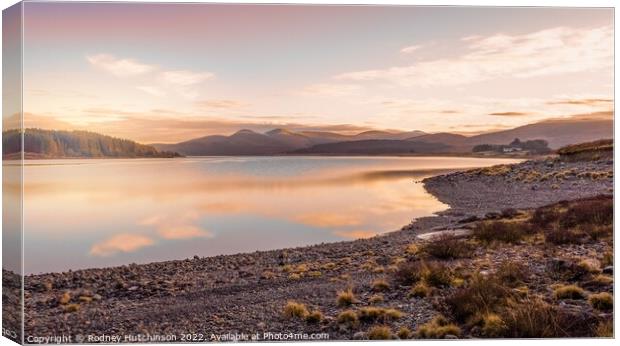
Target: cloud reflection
121, 243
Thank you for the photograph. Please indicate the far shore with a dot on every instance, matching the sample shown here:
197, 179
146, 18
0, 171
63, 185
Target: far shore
12, 158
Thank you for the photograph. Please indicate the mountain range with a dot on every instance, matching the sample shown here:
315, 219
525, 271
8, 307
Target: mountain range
557, 132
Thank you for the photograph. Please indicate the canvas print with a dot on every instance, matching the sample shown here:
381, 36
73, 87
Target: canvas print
194, 172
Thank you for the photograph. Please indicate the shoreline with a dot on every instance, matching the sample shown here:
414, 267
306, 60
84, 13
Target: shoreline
246, 291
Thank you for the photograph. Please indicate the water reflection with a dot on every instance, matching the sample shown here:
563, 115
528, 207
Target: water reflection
112, 212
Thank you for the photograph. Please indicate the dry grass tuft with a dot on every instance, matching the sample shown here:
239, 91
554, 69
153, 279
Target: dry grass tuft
602, 301
569, 292
380, 285
438, 328
295, 310
314, 317
380, 333
447, 247
345, 298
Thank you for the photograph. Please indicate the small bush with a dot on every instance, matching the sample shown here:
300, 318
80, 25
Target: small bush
438, 328
569, 292
295, 310
314, 317
602, 301
345, 298
408, 273
380, 285
379, 333
557, 235
508, 232
544, 216
493, 326
447, 247
348, 318
420, 290
437, 274
596, 211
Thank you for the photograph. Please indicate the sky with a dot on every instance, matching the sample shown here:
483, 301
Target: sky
171, 72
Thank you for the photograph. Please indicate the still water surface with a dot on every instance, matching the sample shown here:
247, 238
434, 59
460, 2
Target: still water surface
97, 213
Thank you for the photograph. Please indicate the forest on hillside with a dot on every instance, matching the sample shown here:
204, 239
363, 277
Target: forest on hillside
40, 143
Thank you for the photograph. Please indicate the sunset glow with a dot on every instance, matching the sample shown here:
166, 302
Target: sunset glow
167, 73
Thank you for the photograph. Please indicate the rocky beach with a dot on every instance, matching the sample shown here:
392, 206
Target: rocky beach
395, 285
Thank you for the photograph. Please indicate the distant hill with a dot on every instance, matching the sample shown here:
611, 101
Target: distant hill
243, 142
277, 141
74, 144
557, 132
374, 147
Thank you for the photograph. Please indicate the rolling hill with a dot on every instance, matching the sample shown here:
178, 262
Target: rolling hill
277, 141
557, 132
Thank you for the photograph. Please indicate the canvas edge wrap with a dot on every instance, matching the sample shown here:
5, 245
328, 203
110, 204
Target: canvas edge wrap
12, 174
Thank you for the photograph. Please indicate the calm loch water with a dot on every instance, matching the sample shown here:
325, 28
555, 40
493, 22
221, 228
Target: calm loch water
97, 213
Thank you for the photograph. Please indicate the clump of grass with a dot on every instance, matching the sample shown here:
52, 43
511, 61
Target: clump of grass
501, 231
493, 326
71, 308
376, 299
512, 273
408, 273
591, 266
345, 298
608, 259
544, 216
328, 266
65, 298
294, 276
558, 235
380, 285
371, 314
532, 319
602, 301
295, 310
379, 333
596, 211
601, 280
481, 295
315, 274
569, 292
437, 274
314, 317
268, 275
438, 328
605, 329
447, 247
404, 333
420, 290
348, 318
412, 249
